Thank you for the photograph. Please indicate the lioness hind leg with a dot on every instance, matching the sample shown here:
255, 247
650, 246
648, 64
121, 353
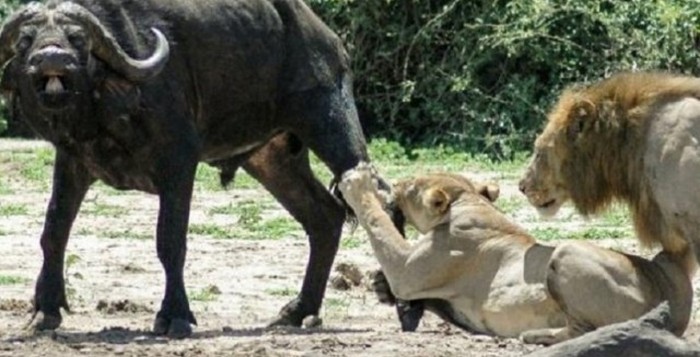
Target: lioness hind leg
596, 287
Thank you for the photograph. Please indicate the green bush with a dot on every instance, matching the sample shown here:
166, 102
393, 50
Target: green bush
479, 75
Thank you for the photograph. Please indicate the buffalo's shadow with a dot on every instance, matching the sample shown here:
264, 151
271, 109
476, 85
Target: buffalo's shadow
123, 336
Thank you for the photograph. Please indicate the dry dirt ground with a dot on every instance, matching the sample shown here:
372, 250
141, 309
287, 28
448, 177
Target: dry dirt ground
236, 286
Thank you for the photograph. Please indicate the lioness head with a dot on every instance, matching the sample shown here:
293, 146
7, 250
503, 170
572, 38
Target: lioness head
425, 200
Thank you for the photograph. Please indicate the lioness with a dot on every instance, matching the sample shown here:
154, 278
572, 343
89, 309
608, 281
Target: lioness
494, 277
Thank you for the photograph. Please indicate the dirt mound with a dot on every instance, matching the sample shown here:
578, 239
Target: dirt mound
126, 306
15, 306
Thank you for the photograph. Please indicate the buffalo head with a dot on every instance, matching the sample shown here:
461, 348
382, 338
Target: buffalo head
51, 50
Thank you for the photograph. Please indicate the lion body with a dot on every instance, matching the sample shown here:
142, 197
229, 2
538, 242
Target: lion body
495, 277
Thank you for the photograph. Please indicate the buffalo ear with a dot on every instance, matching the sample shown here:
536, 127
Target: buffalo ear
582, 112
436, 200
489, 190
119, 94
7, 83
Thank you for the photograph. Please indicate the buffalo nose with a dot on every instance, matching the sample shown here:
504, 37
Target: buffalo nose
51, 58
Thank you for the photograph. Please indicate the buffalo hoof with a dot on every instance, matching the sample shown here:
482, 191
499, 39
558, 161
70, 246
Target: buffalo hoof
172, 328
42, 322
291, 315
284, 321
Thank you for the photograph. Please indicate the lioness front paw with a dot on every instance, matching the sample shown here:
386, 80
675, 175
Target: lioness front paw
358, 182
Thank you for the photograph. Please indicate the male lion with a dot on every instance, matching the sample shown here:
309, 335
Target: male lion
633, 138
493, 277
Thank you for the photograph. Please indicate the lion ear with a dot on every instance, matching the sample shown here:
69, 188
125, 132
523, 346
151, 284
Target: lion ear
489, 190
581, 113
437, 200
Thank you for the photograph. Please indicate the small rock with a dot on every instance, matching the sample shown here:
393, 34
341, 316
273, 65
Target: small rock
338, 282
350, 272
311, 321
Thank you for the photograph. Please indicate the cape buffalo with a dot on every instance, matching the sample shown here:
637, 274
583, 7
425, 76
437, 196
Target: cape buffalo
136, 92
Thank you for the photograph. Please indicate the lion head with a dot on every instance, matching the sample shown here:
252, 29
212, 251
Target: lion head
425, 201
591, 151
591, 142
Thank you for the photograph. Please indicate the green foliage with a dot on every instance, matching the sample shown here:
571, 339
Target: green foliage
480, 75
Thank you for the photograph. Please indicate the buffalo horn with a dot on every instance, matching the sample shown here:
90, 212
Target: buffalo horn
10, 29
106, 47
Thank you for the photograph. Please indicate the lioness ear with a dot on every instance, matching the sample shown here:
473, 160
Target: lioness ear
436, 200
489, 190
582, 112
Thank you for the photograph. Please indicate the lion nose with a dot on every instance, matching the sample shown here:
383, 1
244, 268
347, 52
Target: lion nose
522, 186
51, 59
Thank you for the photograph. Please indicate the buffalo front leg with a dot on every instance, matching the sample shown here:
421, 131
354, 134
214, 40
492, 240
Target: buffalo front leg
174, 317
282, 166
70, 183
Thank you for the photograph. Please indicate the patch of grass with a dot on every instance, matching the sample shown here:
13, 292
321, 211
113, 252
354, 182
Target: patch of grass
350, 241
207, 179
12, 280
251, 226
124, 234
103, 209
229, 209
547, 234
71, 261
209, 293
249, 214
11, 209
510, 205
36, 166
275, 228
603, 233
208, 229
617, 215
332, 303
4, 187
283, 292
594, 233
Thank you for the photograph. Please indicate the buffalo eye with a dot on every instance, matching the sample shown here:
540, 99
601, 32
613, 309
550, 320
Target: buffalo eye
78, 40
24, 42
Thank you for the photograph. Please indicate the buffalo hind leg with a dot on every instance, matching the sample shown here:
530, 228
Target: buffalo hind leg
70, 184
282, 166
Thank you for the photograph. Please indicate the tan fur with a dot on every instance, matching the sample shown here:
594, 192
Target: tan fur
496, 278
595, 150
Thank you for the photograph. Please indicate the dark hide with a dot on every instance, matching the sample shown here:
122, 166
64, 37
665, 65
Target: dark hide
251, 83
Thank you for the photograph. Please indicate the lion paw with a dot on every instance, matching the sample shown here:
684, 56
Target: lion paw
357, 182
